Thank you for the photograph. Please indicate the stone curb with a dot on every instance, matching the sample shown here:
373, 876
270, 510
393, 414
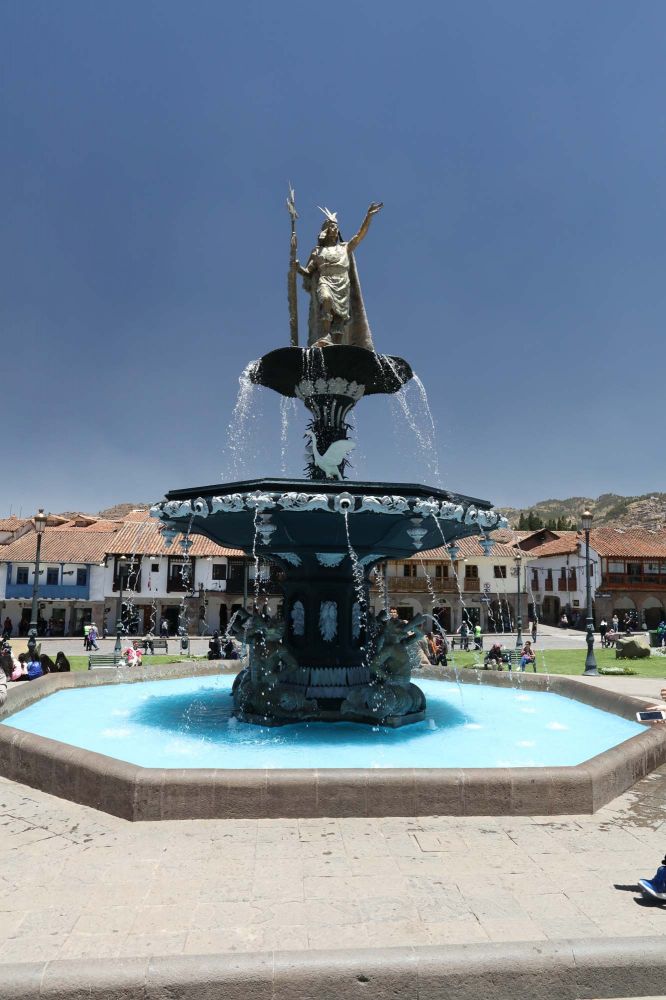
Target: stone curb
137, 793
549, 970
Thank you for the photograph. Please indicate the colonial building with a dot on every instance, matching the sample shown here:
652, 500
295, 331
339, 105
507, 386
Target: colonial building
88, 564
556, 577
477, 586
633, 575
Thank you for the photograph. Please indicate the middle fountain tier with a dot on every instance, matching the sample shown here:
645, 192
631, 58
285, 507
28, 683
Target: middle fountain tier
328, 657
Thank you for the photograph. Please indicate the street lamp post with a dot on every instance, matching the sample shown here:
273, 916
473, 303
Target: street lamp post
121, 563
590, 662
518, 559
39, 521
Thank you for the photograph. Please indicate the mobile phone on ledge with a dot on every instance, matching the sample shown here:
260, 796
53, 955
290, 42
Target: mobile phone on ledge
656, 715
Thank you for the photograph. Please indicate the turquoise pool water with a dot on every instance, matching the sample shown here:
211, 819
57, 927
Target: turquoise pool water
188, 723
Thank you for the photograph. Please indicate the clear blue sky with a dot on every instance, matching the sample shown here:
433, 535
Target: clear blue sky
518, 263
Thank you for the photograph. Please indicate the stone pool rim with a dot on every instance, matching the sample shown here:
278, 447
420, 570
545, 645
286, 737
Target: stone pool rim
147, 794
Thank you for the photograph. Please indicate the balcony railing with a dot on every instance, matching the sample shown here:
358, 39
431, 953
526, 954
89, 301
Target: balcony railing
548, 584
132, 583
639, 581
48, 591
236, 583
470, 585
418, 584
566, 585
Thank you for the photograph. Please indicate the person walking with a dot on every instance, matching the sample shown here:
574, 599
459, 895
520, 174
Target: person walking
7, 628
534, 630
92, 637
478, 641
86, 634
463, 632
603, 628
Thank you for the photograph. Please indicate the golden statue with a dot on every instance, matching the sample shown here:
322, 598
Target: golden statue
337, 314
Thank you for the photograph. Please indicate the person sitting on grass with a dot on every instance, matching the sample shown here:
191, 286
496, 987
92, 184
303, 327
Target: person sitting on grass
215, 646
61, 663
527, 657
495, 658
133, 655
33, 668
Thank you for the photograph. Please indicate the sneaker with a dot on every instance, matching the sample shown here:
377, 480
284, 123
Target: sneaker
655, 887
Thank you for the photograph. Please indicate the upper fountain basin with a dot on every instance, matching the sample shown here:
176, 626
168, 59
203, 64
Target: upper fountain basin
390, 520
338, 370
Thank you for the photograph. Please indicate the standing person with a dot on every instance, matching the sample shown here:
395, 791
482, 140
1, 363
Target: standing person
463, 632
661, 632
616, 623
7, 628
86, 633
92, 637
477, 636
603, 628
164, 629
534, 630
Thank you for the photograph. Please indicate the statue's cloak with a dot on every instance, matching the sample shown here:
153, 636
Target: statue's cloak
356, 332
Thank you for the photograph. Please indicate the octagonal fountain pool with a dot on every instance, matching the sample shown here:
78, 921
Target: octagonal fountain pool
188, 723
161, 742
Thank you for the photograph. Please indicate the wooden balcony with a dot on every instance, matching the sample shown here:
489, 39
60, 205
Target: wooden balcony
632, 581
471, 586
418, 585
566, 585
548, 584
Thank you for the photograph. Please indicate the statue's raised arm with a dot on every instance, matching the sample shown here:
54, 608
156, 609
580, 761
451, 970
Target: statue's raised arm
365, 225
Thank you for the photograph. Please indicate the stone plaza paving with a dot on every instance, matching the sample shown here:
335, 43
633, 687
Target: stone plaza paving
77, 883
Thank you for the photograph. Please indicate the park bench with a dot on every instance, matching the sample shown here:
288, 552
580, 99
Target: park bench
457, 640
511, 658
156, 644
103, 660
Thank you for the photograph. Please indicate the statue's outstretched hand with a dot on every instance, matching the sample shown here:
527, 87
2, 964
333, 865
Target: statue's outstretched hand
375, 207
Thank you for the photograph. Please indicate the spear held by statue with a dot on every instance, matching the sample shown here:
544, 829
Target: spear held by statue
292, 294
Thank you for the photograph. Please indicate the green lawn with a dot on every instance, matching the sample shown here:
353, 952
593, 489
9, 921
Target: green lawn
552, 661
81, 662
572, 661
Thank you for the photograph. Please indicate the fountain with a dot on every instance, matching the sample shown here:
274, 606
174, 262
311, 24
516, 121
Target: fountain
327, 658
161, 742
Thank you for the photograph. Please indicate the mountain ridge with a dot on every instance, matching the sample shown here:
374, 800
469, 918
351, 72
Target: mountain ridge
647, 511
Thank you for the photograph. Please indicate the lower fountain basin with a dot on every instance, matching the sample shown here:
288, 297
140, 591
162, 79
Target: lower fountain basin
189, 723
302, 790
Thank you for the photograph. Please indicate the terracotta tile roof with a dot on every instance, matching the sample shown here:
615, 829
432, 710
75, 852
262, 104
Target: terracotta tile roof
137, 515
633, 543
144, 538
12, 523
565, 543
101, 524
470, 548
70, 545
